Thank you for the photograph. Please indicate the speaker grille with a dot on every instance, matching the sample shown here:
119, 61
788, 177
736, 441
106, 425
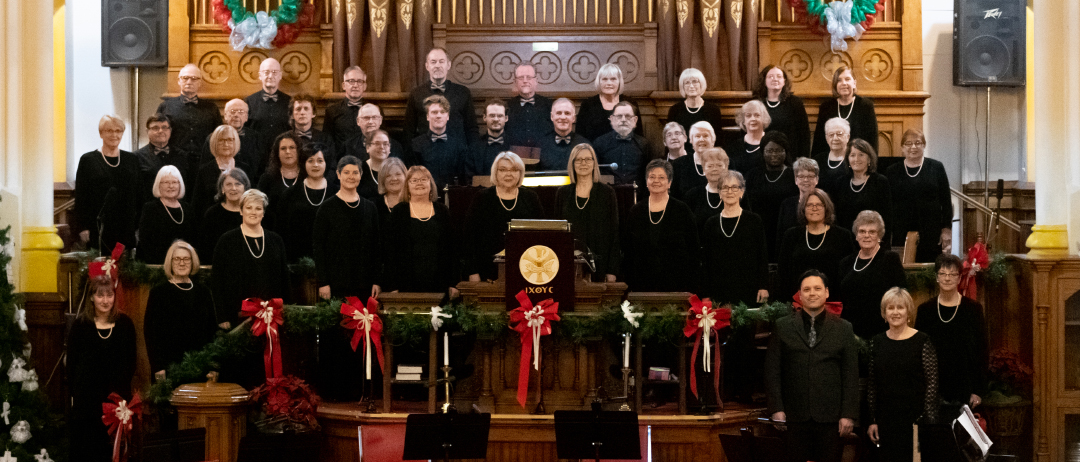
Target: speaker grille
989, 42
987, 57
134, 33
130, 39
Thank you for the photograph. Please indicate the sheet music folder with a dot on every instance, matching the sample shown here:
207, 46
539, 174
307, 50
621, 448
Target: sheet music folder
615, 431
466, 435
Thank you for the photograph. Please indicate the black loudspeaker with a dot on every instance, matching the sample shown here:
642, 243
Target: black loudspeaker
134, 33
989, 43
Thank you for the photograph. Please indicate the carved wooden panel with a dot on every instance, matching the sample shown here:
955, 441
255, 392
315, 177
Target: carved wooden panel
808, 60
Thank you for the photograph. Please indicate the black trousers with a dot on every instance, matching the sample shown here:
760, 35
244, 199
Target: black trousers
819, 442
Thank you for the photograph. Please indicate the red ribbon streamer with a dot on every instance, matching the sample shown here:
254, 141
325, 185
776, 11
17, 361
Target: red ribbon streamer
703, 316
832, 307
265, 318
532, 322
976, 255
110, 268
120, 416
364, 321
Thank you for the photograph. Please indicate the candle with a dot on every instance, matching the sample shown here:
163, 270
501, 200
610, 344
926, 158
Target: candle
626, 351
446, 349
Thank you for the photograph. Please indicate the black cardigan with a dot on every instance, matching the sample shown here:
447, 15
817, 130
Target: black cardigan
595, 224
421, 256
346, 247
486, 227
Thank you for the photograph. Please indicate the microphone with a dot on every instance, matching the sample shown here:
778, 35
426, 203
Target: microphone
1000, 190
107, 204
613, 166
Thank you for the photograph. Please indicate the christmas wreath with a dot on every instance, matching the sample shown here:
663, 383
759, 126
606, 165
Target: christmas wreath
275, 29
839, 19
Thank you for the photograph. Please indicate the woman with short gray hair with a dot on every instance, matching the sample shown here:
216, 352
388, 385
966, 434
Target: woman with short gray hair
660, 244
866, 275
693, 108
594, 117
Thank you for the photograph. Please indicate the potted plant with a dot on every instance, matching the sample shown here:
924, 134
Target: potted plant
1008, 400
287, 405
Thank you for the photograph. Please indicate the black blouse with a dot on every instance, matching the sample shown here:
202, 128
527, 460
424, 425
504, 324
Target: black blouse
369, 183
767, 190
118, 212
295, 213
708, 112
903, 383
921, 202
421, 253
216, 221
860, 114
246, 267
179, 318
800, 251
874, 195
736, 264
863, 282
594, 222
486, 227
831, 175
159, 226
789, 117
961, 345
661, 249
686, 175
346, 244
744, 157
593, 120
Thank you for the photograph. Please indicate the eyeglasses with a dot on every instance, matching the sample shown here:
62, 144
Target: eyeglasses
236, 112
525, 78
945, 275
730, 188
418, 181
370, 118
269, 73
190, 78
815, 206
805, 177
913, 144
380, 144
657, 177
356, 82
113, 131
181, 259
622, 116
583, 160
694, 82
159, 128
775, 151
836, 135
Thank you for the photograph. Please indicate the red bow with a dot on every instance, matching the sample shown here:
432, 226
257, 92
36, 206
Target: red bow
365, 323
265, 318
977, 259
832, 307
110, 268
120, 416
703, 321
531, 322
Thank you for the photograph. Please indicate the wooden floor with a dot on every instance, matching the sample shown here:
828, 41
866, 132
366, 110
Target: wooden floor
531, 438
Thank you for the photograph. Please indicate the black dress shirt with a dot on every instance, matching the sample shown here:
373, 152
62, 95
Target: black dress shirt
555, 154
445, 159
191, 122
630, 153
527, 124
270, 118
339, 121
462, 113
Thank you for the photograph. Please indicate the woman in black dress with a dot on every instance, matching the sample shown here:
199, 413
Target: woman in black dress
378, 149
815, 245
592, 210
225, 215
594, 117
283, 169
106, 190
848, 106
101, 360
867, 274
249, 261
166, 219
224, 144
491, 210
420, 244
833, 163
345, 238
705, 200
693, 108
865, 189
676, 142
786, 110
957, 327
744, 150
391, 188
921, 200
806, 180
903, 386
298, 205
660, 242
736, 263
180, 314
688, 171
769, 187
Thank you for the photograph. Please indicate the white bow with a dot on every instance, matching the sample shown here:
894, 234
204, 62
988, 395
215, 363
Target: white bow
436, 317
108, 266
706, 322
255, 31
838, 19
43, 457
629, 314
535, 318
123, 413
20, 318
365, 319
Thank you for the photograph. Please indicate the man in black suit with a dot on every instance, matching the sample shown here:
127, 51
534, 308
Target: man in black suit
624, 147
303, 118
528, 114
482, 152
369, 119
268, 108
156, 154
442, 151
192, 119
339, 121
555, 146
462, 115
812, 375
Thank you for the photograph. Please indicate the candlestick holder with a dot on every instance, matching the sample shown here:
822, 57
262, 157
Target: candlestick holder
625, 389
370, 397
447, 406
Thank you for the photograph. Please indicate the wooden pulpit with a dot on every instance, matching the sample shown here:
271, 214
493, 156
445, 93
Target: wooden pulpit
540, 261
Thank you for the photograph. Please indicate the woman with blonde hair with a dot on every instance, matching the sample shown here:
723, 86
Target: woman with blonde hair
492, 209
592, 209
180, 314
693, 108
106, 190
849, 106
745, 149
594, 117
420, 242
224, 145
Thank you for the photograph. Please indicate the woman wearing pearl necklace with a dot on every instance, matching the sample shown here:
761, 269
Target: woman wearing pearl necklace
786, 110
224, 145
768, 188
283, 169
660, 240
867, 274
849, 106
421, 244
378, 150
921, 199
705, 200
107, 174
225, 215
345, 238
180, 314
833, 163
693, 108
592, 209
815, 245
957, 327
296, 210
249, 261
166, 219
491, 210
744, 150
864, 188
100, 361
736, 263
688, 172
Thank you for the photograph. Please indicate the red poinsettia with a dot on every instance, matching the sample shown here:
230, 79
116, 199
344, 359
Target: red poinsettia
290, 400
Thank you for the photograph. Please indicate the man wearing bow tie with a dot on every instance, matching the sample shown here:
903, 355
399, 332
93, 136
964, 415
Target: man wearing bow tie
624, 147
269, 109
555, 146
482, 152
157, 153
339, 121
442, 151
462, 114
812, 375
528, 113
192, 119
303, 118
369, 119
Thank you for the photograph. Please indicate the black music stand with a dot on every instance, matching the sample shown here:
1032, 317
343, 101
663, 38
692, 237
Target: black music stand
446, 436
597, 435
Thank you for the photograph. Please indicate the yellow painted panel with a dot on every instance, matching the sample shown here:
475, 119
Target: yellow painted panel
59, 94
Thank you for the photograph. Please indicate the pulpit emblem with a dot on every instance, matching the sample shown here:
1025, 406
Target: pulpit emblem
539, 265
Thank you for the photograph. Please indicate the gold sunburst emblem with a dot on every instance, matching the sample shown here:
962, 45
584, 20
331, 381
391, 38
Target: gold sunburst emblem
539, 265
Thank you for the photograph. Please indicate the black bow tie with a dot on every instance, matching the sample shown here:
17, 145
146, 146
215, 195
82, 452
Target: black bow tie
190, 100
531, 101
305, 134
562, 139
268, 97
354, 104
624, 138
435, 137
439, 86
494, 140
164, 150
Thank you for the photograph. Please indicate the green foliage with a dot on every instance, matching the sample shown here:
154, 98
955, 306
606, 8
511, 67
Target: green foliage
924, 279
485, 325
580, 327
412, 329
304, 267
997, 269
232, 347
744, 318
300, 319
664, 325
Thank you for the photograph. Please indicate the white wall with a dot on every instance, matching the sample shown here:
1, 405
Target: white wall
93, 91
